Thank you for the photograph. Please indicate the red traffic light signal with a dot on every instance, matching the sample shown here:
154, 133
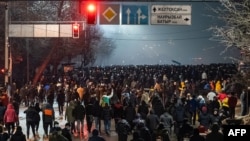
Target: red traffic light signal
91, 7
91, 13
4, 70
75, 30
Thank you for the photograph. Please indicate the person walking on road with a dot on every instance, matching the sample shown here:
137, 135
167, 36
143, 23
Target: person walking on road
89, 114
69, 116
79, 114
61, 101
31, 116
48, 117
10, 118
107, 114
37, 118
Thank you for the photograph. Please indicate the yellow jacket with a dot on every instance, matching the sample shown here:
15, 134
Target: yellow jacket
218, 86
225, 102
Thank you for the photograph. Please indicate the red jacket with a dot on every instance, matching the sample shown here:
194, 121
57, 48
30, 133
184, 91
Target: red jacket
10, 114
221, 96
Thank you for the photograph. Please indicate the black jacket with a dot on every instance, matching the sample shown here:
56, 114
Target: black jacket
123, 127
66, 134
18, 136
79, 111
32, 115
107, 113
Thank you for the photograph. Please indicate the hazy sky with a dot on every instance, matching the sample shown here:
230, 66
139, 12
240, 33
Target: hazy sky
160, 44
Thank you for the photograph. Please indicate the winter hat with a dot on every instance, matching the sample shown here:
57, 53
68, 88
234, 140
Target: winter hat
204, 109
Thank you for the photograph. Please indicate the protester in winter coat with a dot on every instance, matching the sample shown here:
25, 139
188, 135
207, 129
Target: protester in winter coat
143, 109
118, 111
31, 113
152, 121
130, 113
60, 100
144, 132
37, 118
10, 118
167, 120
48, 116
79, 114
243, 101
157, 105
232, 102
205, 118
97, 112
51, 97
89, 115
162, 132
18, 135
215, 117
69, 115
193, 108
185, 130
107, 115
138, 119
136, 136
106, 98
201, 101
123, 129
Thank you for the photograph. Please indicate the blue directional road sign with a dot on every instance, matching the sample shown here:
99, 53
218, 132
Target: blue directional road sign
135, 14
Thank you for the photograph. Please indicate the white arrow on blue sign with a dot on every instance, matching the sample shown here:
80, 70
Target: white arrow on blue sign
135, 14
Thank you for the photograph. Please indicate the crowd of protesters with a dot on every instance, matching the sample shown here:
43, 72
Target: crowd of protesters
147, 101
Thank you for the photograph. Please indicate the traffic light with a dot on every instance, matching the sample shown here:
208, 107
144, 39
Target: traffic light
4, 70
91, 13
75, 30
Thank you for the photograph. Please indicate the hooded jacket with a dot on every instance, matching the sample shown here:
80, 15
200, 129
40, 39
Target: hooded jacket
10, 114
48, 113
69, 112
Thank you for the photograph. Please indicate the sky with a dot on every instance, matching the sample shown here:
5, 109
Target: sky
160, 44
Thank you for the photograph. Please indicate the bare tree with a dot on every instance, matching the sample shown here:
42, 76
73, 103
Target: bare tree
235, 33
236, 30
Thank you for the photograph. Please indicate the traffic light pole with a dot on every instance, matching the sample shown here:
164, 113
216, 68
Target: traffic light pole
6, 57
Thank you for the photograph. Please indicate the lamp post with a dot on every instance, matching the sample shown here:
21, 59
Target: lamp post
6, 63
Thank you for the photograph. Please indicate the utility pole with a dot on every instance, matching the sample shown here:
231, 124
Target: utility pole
6, 63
